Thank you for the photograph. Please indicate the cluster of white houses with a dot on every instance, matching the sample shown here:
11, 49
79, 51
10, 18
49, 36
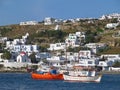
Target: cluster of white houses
73, 40
110, 16
20, 50
29, 23
53, 21
18, 45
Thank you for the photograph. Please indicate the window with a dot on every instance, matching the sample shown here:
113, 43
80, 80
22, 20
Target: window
101, 63
90, 62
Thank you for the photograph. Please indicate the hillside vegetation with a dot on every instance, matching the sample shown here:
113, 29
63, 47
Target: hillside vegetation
43, 35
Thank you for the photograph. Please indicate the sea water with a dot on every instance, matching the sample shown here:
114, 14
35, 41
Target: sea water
23, 81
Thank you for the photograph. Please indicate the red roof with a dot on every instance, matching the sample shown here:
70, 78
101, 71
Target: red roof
23, 53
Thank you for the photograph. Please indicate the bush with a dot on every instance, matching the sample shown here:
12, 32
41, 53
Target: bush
6, 55
116, 64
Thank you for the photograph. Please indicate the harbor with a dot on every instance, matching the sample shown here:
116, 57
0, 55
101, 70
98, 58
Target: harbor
25, 82
59, 45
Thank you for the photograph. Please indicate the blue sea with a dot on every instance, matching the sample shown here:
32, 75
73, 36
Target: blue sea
23, 81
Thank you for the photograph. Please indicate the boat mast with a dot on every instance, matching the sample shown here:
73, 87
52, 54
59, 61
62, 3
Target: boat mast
66, 61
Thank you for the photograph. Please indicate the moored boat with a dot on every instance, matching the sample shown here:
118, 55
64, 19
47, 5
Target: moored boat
96, 78
47, 76
81, 74
47, 73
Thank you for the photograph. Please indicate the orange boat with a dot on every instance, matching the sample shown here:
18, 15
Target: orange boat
47, 76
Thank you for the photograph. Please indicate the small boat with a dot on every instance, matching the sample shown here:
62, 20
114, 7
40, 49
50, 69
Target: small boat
82, 75
82, 78
47, 76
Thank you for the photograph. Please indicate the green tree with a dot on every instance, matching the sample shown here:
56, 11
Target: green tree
76, 49
43, 49
116, 64
33, 58
6, 55
4, 30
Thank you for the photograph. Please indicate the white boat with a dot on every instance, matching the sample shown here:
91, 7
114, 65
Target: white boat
82, 78
84, 70
82, 75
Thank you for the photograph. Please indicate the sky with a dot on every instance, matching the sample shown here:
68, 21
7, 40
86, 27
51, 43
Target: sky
15, 11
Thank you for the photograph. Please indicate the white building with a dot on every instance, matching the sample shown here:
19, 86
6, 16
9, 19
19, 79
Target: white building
103, 17
43, 55
1, 57
22, 57
10, 44
74, 40
87, 59
114, 15
111, 58
84, 54
29, 23
104, 65
3, 39
112, 25
70, 56
71, 40
57, 46
87, 62
56, 61
25, 48
117, 56
110, 16
95, 46
80, 34
18, 45
49, 21
21, 60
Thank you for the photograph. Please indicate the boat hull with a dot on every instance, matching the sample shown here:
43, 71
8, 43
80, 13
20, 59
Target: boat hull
47, 76
82, 78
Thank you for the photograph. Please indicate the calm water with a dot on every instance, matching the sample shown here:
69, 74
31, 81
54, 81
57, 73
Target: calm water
10, 81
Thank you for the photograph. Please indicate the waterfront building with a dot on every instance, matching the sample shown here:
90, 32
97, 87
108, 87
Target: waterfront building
56, 61
104, 65
22, 57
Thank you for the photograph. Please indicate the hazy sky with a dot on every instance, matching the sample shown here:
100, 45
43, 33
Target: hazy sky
15, 11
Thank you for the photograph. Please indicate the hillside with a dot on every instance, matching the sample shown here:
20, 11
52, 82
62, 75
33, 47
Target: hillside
13, 31
43, 35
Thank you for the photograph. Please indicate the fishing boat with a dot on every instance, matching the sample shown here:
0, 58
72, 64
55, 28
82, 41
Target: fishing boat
82, 74
85, 69
46, 74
